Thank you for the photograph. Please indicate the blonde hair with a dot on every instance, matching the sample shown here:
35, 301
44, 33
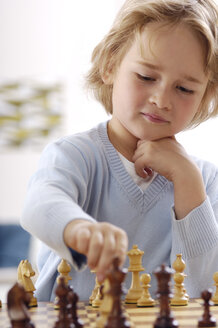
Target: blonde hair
200, 15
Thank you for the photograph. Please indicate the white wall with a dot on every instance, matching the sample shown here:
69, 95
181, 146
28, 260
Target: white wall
53, 40
49, 40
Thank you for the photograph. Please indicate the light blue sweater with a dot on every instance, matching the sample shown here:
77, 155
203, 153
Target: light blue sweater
81, 176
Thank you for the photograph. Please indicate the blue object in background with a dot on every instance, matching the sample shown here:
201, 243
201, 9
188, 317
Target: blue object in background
14, 245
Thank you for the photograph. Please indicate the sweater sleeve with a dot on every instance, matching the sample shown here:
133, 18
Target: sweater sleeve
57, 195
196, 238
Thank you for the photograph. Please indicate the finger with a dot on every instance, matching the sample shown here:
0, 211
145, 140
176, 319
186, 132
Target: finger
82, 240
121, 246
140, 142
148, 170
120, 251
140, 151
141, 168
107, 256
95, 249
142, 173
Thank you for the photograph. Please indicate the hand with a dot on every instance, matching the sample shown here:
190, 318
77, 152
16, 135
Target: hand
168, 158
100, 242
164, 156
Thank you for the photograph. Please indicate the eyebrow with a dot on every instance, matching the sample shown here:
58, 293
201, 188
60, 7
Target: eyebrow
143, 63
156, 67
191, 79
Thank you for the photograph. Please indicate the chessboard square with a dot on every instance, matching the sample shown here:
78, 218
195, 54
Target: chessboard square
85, 321
92, 316
188, 315
191, 305
197, 301
188, 322
45, 325
82, 312
142, 324
40, 312
141, 311
138, 319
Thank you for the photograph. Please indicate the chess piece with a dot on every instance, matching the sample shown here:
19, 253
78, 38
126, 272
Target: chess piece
145, 299
165, 318
207, 319
17, 303
25, 272
63, 269
116, 317
106, 305
215, 296
179, 267
72, 307
135, 259
179, 297
96, 302
94, 292
64, 319
179, 264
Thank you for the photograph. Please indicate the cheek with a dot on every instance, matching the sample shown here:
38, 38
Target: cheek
136, 95
187, 110
126, 95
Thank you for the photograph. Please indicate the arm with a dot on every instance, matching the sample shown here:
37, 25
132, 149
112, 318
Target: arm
195, 233
196, 236
56, 207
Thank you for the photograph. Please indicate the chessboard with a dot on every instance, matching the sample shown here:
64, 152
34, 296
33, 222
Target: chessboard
44, 316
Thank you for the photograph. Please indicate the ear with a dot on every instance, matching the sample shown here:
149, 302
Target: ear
107, 78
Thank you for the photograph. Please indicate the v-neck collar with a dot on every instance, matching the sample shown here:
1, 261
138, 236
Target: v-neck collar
143, 198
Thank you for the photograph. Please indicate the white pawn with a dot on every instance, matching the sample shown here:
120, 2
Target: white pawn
145, 299
179, 297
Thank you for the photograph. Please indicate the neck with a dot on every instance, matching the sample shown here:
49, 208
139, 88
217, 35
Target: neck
121, 139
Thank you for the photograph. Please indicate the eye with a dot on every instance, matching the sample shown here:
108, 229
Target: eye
185, 90
145, 78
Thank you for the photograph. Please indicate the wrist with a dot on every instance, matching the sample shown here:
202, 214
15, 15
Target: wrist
189, 192
70, 229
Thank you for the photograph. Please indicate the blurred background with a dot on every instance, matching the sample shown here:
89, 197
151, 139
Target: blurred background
46, 47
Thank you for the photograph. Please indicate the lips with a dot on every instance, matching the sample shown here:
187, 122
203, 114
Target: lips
154, 118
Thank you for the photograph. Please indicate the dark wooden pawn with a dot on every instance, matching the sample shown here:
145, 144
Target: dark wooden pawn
116, 277
18, 301
165, 318
64, 321
207, 319
72, 307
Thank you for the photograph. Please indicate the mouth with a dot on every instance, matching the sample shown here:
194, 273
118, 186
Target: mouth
154, 118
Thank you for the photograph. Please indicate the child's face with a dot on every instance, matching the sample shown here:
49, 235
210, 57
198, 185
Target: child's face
157, 92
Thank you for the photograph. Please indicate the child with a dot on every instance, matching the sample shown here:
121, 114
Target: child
156, 73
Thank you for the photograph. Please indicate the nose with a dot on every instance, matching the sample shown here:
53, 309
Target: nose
161, 98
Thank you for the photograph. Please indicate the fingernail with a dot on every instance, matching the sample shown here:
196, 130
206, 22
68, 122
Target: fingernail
148, 170
100, 277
